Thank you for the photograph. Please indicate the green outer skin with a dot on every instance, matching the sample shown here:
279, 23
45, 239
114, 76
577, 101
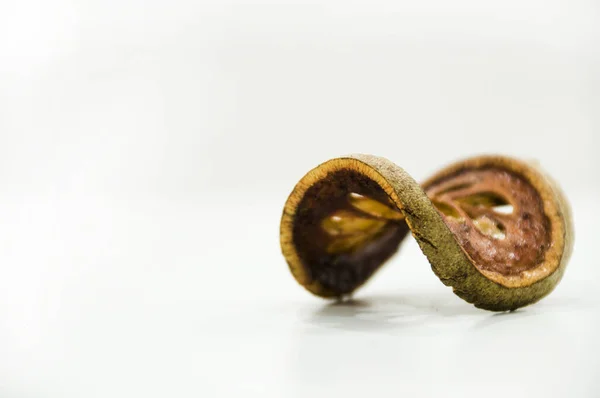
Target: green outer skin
448, 260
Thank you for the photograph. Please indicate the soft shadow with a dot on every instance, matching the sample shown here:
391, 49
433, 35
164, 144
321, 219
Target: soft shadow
385, 312
496, 318
545, 307
393, 312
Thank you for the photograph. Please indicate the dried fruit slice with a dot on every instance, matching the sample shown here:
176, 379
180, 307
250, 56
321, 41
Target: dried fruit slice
495, 229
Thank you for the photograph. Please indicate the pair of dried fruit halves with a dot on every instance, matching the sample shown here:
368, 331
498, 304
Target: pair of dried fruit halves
496, 229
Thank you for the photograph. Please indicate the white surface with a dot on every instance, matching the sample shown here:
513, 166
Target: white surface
110, 298
146, 151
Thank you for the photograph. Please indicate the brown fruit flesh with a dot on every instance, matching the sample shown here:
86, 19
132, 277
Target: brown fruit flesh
507, 242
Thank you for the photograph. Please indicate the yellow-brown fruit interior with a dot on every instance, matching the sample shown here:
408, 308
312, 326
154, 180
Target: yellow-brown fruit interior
344, 228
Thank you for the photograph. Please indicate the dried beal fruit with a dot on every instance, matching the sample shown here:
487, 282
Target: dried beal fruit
496, 229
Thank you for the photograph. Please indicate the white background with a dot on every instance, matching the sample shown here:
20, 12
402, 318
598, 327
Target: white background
147, 149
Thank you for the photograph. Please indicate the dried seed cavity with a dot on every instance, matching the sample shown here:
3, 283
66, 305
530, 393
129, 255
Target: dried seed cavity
345, 227
374, 208
350, 229
489, 227
496, 216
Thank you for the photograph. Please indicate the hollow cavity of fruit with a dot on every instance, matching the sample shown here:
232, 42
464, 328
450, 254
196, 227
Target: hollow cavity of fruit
345, 227
496, 216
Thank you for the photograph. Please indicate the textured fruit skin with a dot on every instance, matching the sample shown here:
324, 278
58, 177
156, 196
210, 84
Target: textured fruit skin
448, 260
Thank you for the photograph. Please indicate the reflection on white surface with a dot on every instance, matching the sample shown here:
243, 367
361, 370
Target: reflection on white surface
106, 297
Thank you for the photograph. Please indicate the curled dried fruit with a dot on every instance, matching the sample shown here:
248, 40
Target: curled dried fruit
496, 229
